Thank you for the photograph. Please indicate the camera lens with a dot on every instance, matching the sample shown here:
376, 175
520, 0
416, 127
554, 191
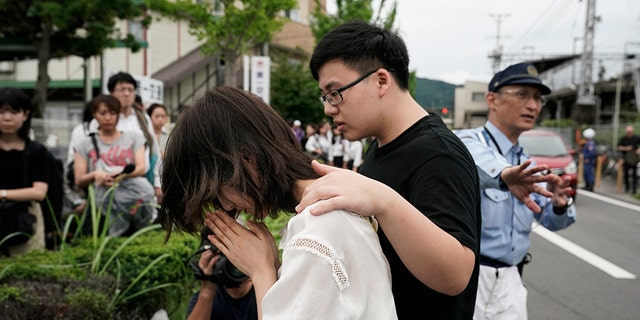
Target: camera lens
233, 272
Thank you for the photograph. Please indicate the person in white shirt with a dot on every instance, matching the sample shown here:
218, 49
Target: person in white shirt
158, 114
75, 198
318, 144
218, 155
338, 150
353, 156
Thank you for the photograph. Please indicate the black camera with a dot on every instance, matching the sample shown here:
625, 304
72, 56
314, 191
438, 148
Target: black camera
224, 272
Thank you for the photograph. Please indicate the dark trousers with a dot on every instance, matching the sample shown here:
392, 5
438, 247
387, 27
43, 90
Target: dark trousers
630, 170
338, 161
589, 175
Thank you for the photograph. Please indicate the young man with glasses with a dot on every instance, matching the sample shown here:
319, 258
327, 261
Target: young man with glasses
513, 191
417, 177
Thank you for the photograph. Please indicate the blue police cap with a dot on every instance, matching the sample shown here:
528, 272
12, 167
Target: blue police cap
520, 73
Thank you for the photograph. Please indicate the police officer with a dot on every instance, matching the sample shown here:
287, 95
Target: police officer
513, 192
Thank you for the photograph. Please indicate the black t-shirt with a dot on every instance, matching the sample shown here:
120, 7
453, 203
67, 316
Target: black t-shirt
226, 307
633, 141
14, 163
433, 170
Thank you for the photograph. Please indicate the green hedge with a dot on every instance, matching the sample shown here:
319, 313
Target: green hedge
100, 277
122, 278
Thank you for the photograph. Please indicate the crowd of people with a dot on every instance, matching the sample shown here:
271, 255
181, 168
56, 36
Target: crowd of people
117, 150
427, 220
325, 143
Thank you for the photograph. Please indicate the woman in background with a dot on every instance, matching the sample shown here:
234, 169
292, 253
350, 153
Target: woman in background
338, 149
319, 143
158, 114
75, 197
23, 175
101, 162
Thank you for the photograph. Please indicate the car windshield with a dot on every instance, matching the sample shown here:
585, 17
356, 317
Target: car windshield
543, 146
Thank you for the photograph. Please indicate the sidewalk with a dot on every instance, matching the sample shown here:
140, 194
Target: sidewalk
608, 188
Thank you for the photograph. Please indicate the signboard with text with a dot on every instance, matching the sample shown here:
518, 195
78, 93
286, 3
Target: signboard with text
261, 77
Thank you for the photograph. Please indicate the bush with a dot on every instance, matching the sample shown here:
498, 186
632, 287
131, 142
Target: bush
125, 278
100, 277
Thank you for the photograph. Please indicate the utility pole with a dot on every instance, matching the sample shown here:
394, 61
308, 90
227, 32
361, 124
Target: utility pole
585, 89
496, 54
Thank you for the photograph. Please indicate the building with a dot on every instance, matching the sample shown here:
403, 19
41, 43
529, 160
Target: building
170, 63
470, 110
615, 99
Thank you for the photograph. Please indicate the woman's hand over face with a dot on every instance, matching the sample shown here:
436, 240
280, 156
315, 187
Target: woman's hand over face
252, 250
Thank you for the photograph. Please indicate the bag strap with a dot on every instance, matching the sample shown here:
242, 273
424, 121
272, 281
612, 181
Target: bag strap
95, 144
26, 154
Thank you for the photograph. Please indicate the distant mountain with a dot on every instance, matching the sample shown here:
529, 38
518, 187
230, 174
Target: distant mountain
434, 93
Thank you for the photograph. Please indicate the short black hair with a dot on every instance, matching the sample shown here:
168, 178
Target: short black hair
363, 46
121, 77
155, 106
19, 101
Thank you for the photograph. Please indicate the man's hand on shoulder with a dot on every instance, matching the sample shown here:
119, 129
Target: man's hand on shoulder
343, 189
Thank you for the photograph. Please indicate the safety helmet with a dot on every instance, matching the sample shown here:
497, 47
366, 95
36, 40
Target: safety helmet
589, 133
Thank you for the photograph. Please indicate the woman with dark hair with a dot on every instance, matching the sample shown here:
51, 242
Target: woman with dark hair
158, 114
232, 151
24, 176
100, 160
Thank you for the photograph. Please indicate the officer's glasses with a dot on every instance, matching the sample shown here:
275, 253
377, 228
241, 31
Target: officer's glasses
524, 95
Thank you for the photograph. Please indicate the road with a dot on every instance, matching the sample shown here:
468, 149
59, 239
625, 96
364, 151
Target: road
590, 270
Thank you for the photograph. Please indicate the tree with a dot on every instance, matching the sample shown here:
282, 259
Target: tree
294, 92
61, 28
350, 10
356, 9
227, 27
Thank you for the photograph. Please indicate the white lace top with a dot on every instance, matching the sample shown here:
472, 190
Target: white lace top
332, 268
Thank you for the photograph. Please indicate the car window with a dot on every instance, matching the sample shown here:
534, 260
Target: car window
543, 146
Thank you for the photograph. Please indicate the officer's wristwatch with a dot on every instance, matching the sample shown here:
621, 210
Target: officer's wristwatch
562, 210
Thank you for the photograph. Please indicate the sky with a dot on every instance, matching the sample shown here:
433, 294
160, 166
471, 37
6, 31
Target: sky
450, 40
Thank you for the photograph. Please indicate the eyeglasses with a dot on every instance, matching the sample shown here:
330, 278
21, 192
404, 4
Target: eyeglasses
524, 95
334, 97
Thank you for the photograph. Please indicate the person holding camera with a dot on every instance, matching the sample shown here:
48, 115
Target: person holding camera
232, 151
225, 293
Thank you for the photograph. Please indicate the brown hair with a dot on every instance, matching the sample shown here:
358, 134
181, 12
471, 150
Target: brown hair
111, 102
207, 150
